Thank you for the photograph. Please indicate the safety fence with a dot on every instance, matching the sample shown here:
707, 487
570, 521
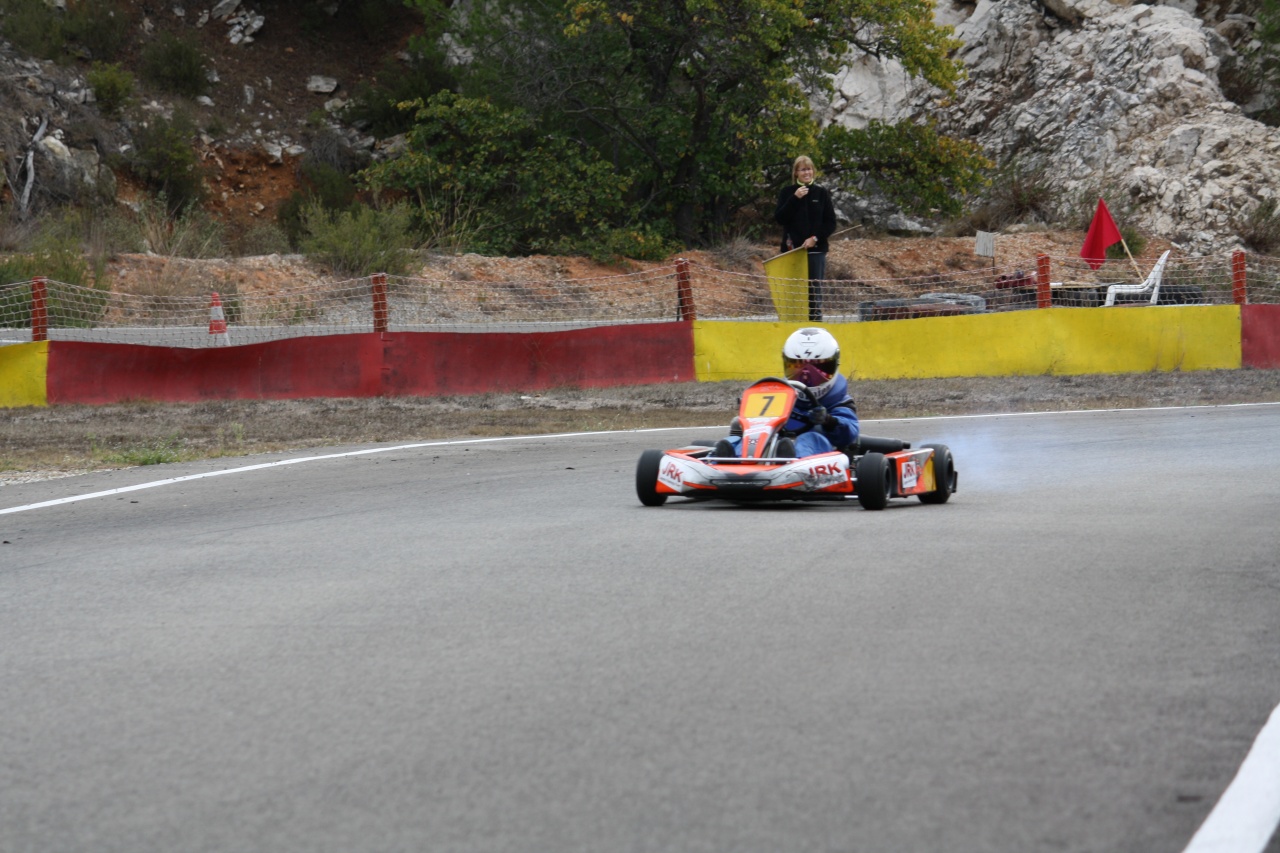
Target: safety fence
43, 309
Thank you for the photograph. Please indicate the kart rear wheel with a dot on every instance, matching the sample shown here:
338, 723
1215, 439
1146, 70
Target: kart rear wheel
647, 478
944, 472
875, 481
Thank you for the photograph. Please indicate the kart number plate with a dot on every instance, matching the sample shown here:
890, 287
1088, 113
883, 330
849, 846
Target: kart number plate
763, 404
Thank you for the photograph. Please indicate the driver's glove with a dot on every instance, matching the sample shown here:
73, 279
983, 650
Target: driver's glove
820, 417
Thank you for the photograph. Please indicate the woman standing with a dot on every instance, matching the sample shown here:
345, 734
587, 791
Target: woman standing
808, 218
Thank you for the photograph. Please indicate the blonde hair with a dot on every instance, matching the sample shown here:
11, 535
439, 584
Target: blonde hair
802, 160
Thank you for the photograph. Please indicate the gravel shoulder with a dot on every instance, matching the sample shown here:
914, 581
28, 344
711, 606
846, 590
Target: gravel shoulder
42, 443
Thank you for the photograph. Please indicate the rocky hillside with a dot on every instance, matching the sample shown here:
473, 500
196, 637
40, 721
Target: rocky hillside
1094, 96
1130, 101
276, 77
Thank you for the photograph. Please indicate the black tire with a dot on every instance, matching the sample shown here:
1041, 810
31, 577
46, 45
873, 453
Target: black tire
647, 478
944, 470
1181, 294
875, 481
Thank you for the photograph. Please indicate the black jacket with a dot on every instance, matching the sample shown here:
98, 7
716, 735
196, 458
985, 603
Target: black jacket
801, 218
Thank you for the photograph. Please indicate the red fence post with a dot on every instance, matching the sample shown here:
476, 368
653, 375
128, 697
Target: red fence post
380, 313
1239, 292
1044, 293
684, 292
39, 309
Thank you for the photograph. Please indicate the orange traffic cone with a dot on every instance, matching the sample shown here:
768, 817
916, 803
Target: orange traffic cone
218, 336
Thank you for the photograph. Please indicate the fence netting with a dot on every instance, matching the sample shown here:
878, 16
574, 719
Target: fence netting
678, 291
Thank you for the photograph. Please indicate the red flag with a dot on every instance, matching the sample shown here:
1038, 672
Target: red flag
1103, 234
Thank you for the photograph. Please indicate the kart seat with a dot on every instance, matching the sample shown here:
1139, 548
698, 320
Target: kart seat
869, 444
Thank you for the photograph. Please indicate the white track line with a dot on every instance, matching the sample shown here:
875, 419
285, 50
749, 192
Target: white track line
155, 483
297, 461
1246, 816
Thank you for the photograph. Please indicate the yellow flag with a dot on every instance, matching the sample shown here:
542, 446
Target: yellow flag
788, 276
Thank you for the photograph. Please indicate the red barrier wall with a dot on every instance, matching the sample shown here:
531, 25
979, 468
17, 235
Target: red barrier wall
438, 364
1260, 336
370, 365
331, 366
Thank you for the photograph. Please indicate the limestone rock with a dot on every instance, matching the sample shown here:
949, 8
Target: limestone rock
1105, 98
321, 85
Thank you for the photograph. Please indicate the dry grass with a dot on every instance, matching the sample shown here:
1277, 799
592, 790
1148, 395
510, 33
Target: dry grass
65, 439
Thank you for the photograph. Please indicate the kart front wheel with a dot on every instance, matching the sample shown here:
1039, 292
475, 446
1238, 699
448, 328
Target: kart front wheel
944, 475
647, 478
875, 481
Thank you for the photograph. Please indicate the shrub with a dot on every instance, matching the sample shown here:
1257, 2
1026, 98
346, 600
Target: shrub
187, 233
1132, 238
606, 245
1260, 228
112, 87
263, 238
740, 253
1017, 193
99, 27
321, 184
175, 66
34, 27
60, 264
164, 158
375, 104
359, 241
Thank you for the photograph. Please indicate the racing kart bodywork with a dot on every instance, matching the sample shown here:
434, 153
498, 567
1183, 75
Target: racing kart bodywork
873, 470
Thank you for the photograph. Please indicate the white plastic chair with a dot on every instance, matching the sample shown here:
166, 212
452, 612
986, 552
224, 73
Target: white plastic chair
1151, 284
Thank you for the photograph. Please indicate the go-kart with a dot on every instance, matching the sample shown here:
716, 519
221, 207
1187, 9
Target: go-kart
873, 470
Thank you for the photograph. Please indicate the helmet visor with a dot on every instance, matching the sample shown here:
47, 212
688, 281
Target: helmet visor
807, 370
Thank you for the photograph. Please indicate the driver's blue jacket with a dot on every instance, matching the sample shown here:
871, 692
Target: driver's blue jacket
843, 430
810, 439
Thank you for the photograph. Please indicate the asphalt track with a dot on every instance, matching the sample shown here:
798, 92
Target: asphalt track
491, 646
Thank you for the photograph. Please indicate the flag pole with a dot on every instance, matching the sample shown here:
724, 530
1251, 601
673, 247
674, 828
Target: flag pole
1131, 260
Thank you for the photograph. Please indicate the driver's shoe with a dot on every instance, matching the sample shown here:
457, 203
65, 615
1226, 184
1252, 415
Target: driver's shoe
785, 448
724, 449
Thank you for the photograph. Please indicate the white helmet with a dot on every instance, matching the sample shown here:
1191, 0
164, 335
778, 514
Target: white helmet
812, 356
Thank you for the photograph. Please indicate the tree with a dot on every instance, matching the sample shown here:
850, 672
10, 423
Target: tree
911, 163
473, 166
699, 104
1267, 55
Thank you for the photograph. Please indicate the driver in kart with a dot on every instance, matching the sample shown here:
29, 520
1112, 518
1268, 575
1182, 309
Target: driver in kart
810, 356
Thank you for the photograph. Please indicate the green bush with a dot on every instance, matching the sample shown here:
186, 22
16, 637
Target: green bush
89, 28
359, 241
112, 87
608, 245
98, 27
176, 66
60, 265
164, 158
263, 238
1133, 239
321, 184
374, 104
34, 27
466, 157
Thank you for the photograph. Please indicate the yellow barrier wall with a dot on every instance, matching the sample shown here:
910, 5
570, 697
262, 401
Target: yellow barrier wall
1057, 341
23, 368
